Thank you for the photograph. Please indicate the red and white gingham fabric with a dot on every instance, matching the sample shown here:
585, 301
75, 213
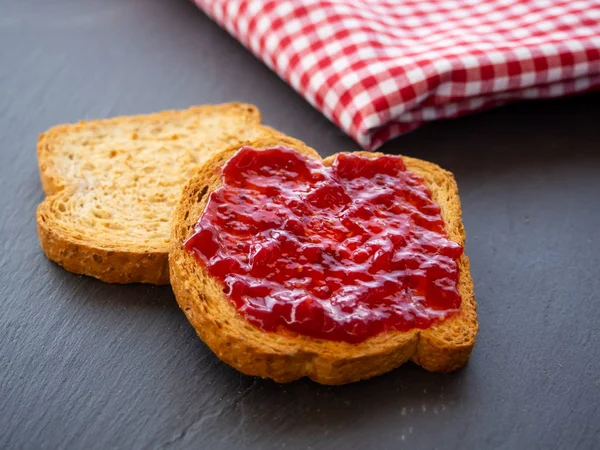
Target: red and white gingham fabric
381, 68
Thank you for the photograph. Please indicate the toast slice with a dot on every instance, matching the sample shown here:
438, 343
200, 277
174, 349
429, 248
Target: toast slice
112, 185
444, 347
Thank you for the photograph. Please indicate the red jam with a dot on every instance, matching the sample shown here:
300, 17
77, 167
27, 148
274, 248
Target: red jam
340, 253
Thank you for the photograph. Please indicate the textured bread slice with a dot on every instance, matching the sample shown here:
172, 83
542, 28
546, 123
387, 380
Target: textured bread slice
112, 186
283, 357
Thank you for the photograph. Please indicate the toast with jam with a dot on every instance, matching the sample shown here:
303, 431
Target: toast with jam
338, 269
112, 185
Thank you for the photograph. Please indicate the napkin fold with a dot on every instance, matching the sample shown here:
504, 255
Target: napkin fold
380, 68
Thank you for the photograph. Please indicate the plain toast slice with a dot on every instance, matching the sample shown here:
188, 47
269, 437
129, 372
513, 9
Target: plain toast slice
112, 185
443, 347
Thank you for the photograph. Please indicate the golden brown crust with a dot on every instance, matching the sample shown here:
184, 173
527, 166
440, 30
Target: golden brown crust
112, 185
109, 264
285, 357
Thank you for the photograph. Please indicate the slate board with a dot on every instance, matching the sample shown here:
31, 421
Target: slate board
84, 364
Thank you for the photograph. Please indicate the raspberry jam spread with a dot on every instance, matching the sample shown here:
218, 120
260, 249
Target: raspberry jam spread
341, 253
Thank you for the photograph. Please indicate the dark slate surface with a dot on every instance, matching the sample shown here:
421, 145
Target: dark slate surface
84, 364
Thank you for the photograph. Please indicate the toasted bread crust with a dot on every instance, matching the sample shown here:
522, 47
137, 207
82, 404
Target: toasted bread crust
115, 249
109, 264
285, 357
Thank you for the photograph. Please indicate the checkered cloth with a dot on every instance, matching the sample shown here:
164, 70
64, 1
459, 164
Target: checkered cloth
381, 68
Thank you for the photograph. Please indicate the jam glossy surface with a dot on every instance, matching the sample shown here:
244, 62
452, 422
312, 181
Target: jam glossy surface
341, 253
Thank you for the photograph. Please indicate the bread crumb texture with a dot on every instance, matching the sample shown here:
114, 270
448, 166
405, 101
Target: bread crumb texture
112, 185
